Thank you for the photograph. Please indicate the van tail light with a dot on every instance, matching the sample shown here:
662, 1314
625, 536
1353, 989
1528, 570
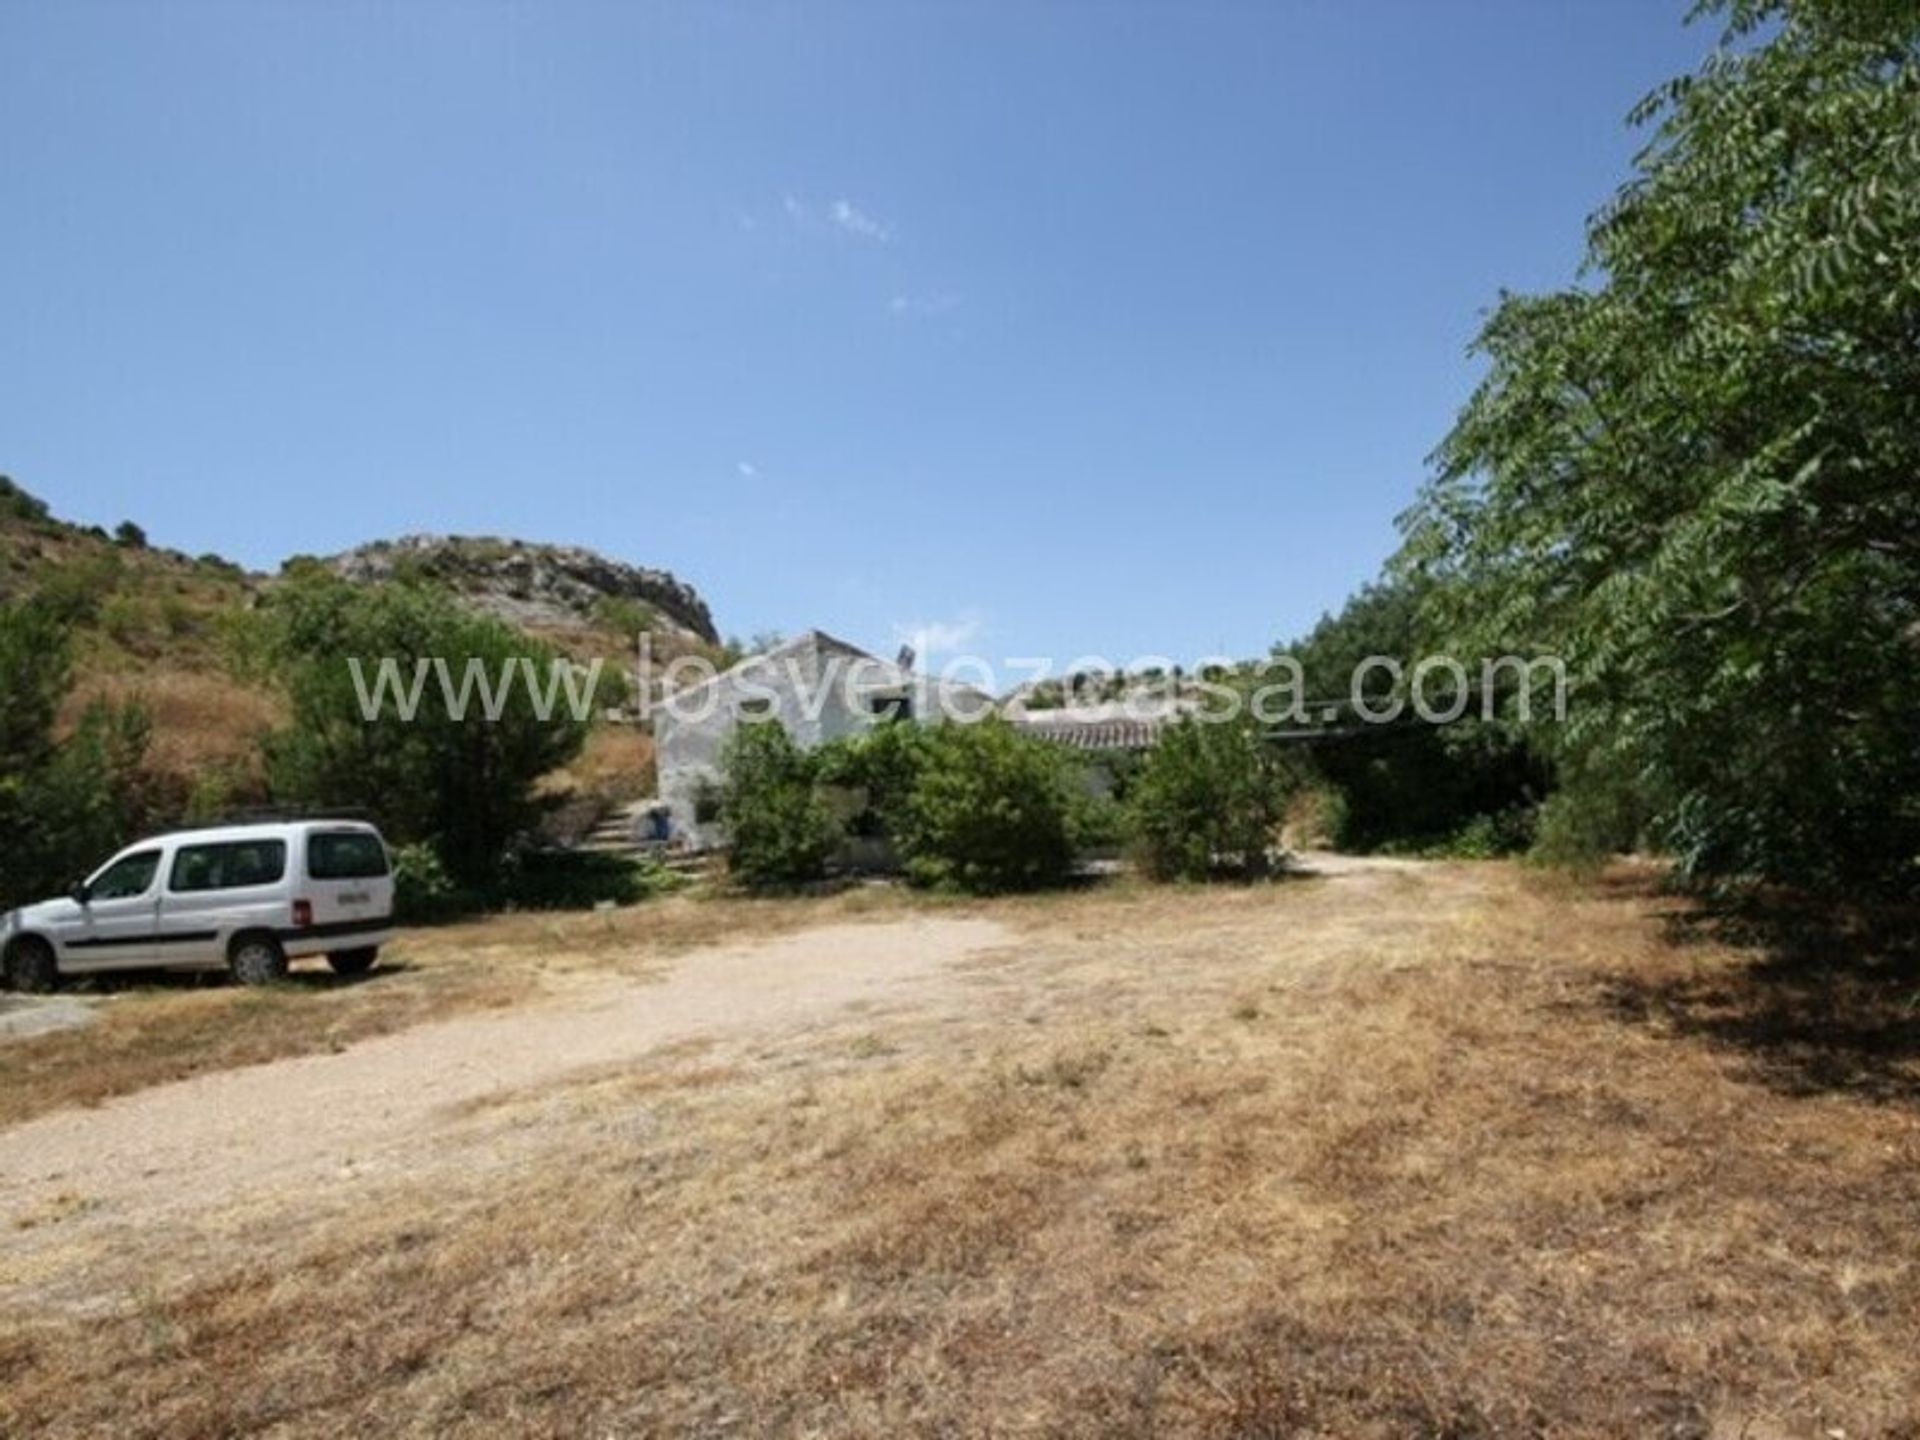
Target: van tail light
302, 913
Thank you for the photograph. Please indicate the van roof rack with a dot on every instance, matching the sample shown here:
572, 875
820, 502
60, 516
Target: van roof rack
281, 814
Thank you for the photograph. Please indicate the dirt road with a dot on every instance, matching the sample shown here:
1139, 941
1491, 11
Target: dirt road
330, 1122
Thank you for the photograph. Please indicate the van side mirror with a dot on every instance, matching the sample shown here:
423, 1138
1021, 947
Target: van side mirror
81, 892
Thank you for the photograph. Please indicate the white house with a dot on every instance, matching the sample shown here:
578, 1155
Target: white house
817, 687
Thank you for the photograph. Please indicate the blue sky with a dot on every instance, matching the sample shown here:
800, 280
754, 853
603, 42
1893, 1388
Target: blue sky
1050, 329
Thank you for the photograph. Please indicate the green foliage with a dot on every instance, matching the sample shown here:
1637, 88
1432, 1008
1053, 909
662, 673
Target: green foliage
629, 617
780, 830
1099, 821
577, 880
64, 805
17, 504
1484, 837
464, 785
883, 766
423, 892
1407, 785
74, 593
129, 536
989, 810
1695, 477
1209, 797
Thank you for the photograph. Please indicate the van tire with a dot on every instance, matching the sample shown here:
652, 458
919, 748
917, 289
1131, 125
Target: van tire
354, 962
30, 966
255, 958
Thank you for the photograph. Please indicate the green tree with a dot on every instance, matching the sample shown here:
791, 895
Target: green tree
65, 803
1209, 797
1693, 477
780, 830
462, 782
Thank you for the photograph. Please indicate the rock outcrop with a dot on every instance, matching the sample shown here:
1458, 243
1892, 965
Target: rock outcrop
532, 586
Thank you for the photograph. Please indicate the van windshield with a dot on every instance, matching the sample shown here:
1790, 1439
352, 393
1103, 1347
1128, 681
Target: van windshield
345, 855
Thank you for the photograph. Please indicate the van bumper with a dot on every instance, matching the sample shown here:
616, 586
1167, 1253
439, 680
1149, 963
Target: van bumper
324, 939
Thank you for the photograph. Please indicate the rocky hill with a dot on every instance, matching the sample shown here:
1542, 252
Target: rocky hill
537, 587
169, 630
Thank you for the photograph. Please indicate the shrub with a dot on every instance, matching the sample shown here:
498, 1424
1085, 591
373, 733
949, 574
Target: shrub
129, 536
883, 766
989, 810
577, 880
780, 830
63, 806
629, 617
423, 892
1487, 837
1210, 796
18, 504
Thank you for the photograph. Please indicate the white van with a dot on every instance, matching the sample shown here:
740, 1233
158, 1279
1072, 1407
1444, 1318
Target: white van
246, 898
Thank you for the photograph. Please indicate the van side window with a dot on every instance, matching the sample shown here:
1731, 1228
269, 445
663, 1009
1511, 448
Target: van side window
126, 877
345, 855
231, 865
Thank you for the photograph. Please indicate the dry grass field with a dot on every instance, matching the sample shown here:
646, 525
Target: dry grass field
1438, 1150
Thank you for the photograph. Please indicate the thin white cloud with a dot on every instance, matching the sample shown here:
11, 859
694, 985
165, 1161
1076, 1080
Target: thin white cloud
855, 221
841, 215
746, 469
939, 637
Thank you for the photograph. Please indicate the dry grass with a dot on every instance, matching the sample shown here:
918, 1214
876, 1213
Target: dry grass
615, 764
1449, 1152
201, 720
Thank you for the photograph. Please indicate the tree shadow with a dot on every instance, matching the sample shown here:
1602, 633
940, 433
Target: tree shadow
1823, 1000
307, 976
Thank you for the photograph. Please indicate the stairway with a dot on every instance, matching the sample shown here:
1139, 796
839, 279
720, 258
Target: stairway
618, 833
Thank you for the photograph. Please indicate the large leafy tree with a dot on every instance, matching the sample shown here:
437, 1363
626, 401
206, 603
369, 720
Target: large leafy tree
455, 778
1697, 475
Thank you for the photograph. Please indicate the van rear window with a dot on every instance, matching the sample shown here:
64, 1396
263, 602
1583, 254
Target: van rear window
230, 865
345, 855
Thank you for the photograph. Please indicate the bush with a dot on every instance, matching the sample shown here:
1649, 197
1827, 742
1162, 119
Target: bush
17, 504
780, 830
578, 880
1210, 796
423, 892
882, 767
1487, 837
63, 806
129, 536
989, 810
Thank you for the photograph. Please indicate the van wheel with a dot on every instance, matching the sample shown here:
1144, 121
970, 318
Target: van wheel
257, 959
30, 966
354, 962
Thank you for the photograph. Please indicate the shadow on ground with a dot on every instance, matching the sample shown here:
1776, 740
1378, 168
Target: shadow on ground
308, 976
1816, 1001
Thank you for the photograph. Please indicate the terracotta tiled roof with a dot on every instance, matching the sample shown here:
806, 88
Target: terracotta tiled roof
1108, 733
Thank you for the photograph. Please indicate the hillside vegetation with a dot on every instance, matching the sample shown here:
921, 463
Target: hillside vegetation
184, 644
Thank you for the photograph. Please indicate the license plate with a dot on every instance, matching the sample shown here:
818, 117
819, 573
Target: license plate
354, 897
